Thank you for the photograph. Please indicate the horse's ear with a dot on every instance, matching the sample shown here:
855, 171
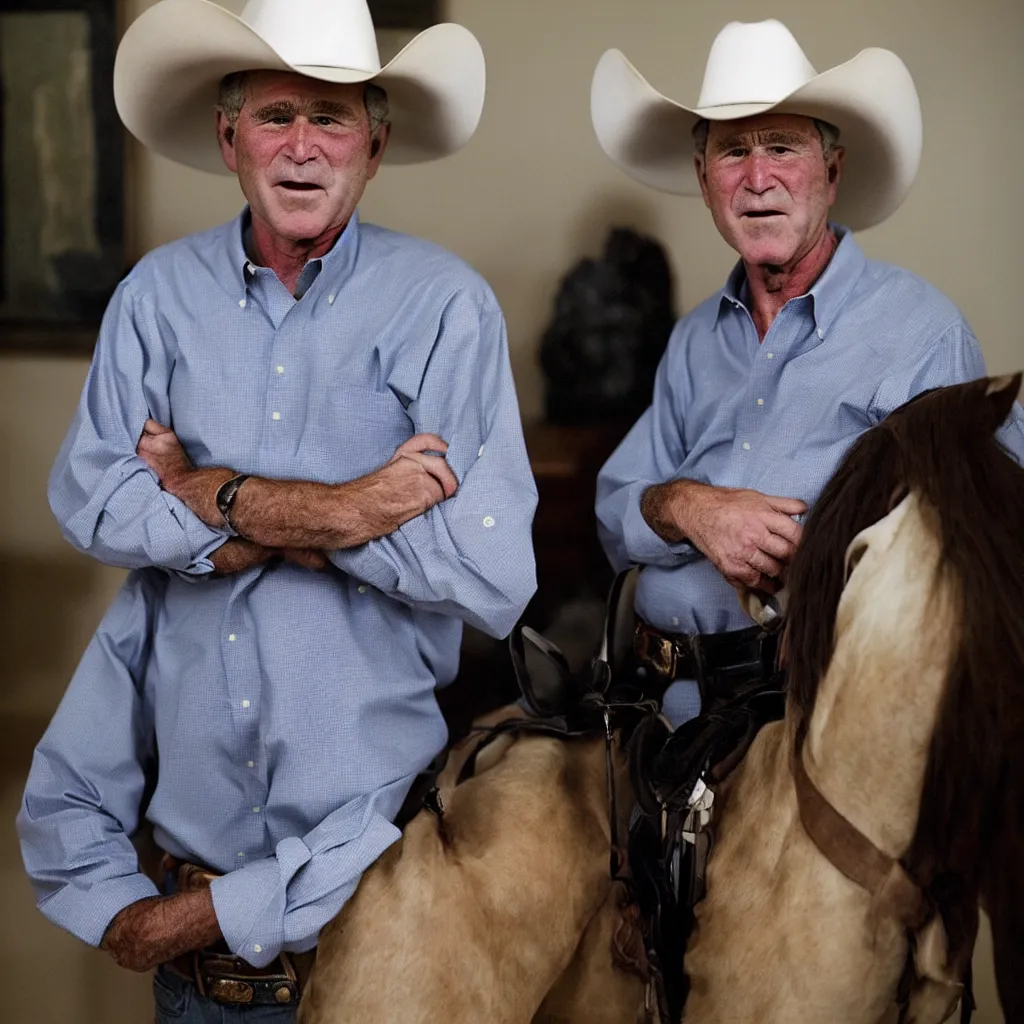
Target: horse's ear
1000, 394
543, 672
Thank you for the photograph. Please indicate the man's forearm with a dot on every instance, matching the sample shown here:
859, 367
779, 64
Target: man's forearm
304, 514
161, 928
665, 508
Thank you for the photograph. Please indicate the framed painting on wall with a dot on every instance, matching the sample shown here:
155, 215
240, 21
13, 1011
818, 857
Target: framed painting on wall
61, 162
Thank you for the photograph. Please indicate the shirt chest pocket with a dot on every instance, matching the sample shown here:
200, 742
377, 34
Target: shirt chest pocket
351, 431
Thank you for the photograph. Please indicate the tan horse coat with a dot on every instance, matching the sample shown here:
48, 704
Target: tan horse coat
782, 936
475, 918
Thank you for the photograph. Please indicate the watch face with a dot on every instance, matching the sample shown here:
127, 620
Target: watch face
226, 494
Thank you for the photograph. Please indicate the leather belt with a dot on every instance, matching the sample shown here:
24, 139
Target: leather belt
228, 979
723, 664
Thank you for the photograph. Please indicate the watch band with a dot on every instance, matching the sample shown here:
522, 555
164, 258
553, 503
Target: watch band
225, 497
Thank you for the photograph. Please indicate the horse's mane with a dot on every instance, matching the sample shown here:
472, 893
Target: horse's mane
941, 446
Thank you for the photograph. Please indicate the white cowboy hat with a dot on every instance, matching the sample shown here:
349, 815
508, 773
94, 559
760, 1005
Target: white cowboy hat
755, 68
172, 58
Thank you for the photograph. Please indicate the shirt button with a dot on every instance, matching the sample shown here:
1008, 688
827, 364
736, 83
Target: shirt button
821, 333
256, 810
479, 453
241, 303
250, 764
769, 355
245, 703
760, 401
280, 369
488, 522
746, 446
232, 637
675, 620
275, 415
257, 949
361, 588
330, 300
241, 856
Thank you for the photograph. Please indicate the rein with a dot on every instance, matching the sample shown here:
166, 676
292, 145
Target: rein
852, 854
885, 878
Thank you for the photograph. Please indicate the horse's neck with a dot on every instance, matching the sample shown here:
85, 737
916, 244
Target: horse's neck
870, 732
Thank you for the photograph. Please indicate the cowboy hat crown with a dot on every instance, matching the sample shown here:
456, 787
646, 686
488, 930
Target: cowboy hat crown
754, 69
759, 63
309, 33
173, 57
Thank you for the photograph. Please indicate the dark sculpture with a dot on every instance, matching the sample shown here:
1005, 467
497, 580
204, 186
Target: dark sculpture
613, 317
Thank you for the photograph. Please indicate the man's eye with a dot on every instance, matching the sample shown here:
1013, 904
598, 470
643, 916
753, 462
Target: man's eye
323, 120
280, 119
737, 152
780, 150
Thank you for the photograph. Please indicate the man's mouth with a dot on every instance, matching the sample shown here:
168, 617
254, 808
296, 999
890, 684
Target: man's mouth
763, 213
298, 186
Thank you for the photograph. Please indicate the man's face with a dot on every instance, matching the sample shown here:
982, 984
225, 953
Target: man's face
768, 186
303, 152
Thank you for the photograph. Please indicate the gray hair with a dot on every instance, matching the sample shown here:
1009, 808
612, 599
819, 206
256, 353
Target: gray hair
232, 99
829, 134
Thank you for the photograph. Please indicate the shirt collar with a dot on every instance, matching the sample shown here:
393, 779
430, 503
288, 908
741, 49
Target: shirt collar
828, 293
339, 259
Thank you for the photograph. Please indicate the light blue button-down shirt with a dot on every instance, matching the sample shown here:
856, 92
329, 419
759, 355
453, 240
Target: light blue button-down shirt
269, 724
776, 416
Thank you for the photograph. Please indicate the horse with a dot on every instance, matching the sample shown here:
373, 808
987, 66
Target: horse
504, 900
852, 845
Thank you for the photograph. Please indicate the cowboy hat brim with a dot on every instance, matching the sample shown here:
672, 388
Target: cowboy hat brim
871, 99
172, 59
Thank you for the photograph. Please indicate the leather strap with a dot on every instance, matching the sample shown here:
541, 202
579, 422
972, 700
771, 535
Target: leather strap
855, 856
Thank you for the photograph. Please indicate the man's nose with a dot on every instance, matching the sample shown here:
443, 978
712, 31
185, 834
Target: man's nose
301, 146
759, 176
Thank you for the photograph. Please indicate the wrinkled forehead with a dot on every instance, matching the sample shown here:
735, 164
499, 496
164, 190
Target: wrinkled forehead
273, 87
764, 128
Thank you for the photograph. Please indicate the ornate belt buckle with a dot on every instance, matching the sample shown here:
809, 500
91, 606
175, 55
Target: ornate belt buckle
661, 653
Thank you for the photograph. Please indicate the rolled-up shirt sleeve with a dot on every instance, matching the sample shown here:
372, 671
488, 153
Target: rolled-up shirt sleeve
86, 786
107, 501
472, 555
650, 454
283, 901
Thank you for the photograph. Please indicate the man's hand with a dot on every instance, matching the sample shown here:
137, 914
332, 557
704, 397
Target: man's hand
161, 450
748, 536
155, 930
415, 481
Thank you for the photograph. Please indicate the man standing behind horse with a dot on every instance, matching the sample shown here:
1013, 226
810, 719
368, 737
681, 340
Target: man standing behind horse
302, 435
765, 385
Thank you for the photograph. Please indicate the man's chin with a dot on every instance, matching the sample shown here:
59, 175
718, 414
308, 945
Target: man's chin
300, 226
765, 252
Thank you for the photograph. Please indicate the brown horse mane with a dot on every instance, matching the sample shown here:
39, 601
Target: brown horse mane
970, 831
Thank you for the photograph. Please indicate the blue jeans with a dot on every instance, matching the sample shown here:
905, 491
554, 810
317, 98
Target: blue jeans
179, 1002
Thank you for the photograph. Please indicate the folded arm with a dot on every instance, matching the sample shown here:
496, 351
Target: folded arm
445, 524
107, 501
